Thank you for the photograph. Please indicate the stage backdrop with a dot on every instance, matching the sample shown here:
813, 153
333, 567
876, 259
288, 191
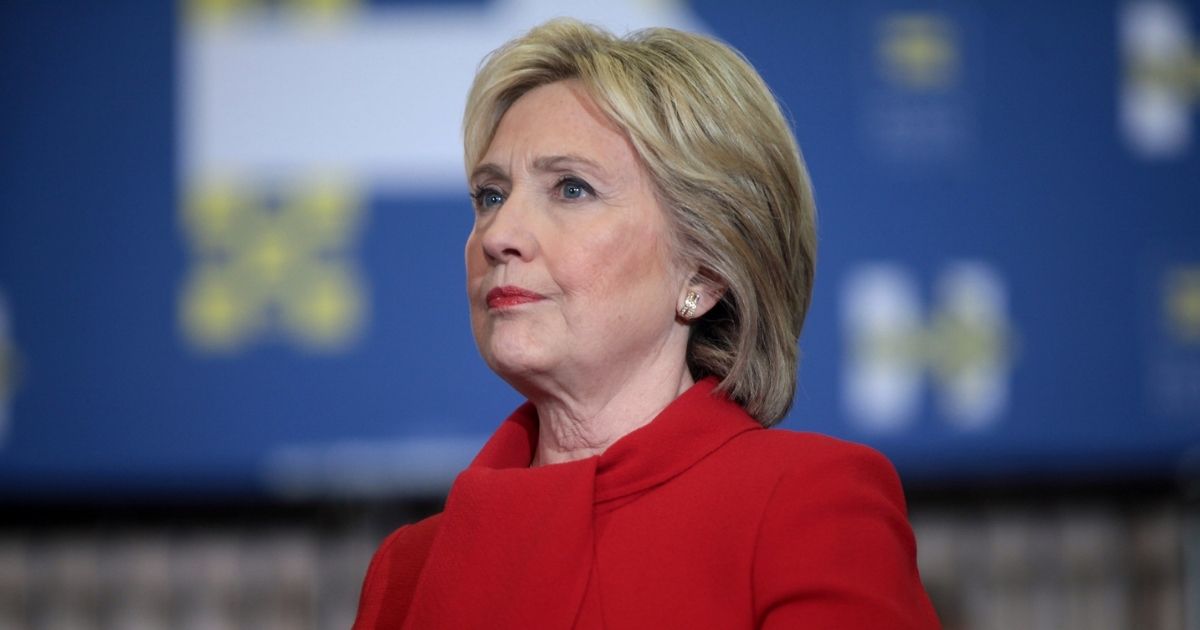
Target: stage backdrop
231, 236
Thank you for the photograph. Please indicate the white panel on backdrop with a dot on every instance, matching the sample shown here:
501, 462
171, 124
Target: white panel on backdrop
374, 94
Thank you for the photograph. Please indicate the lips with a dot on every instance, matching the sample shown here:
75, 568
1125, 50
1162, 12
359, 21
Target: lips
509, 296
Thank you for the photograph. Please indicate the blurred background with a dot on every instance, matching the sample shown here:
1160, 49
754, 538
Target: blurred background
234, 346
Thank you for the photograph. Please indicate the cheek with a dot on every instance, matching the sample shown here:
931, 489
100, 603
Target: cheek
474, 261
615, 265
476, 267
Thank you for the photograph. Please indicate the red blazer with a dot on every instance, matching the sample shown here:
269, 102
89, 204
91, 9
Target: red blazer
700, 519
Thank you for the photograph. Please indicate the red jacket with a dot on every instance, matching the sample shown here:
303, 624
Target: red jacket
700, 519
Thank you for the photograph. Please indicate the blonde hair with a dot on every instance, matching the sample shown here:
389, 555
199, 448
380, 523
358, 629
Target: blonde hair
726, 167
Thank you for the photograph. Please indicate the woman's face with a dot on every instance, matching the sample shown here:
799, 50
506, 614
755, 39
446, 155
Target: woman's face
569, 271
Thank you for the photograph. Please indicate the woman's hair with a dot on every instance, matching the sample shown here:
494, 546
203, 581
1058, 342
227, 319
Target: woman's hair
727, 171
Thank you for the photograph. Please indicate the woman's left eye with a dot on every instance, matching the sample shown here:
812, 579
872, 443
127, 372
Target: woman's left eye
571, 188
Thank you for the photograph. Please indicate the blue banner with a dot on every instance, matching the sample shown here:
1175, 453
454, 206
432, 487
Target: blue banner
231, 237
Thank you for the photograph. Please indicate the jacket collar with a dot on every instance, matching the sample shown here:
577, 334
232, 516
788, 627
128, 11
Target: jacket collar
692, 426
510, 526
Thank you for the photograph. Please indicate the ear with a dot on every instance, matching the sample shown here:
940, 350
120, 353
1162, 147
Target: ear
708, 290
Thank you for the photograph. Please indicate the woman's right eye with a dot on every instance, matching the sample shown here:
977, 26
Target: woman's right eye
487, 198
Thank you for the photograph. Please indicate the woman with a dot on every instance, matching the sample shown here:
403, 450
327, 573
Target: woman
640, 268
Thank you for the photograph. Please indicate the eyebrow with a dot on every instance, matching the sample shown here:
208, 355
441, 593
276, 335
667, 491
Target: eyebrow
556, 163
492, 171
549, 163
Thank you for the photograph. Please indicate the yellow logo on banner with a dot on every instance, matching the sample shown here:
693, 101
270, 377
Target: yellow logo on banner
919, 51
1182, 297
1161, 83
217, 11
267, 269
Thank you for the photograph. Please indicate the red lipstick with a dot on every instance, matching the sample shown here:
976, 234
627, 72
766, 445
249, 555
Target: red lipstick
505, 297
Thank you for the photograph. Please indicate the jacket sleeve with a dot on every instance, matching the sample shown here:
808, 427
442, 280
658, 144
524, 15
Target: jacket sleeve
835, 550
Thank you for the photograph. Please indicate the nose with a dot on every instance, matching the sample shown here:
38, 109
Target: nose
506, 234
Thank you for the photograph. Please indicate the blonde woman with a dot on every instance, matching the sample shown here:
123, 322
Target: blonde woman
640, 268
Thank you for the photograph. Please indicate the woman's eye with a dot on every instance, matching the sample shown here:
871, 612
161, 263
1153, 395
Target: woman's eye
488, 198
574, 189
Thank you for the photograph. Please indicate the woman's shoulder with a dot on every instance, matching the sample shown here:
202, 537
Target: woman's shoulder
786, 452
833, 521
404, 550
392, 575
807, 473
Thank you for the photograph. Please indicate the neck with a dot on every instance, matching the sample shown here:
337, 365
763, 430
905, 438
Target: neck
573, 427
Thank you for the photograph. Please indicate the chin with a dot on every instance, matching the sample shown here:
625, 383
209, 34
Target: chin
514, 365
513, 358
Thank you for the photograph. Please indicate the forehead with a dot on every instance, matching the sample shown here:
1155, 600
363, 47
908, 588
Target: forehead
560, 119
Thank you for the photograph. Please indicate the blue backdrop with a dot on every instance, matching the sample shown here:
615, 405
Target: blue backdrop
1009, 275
